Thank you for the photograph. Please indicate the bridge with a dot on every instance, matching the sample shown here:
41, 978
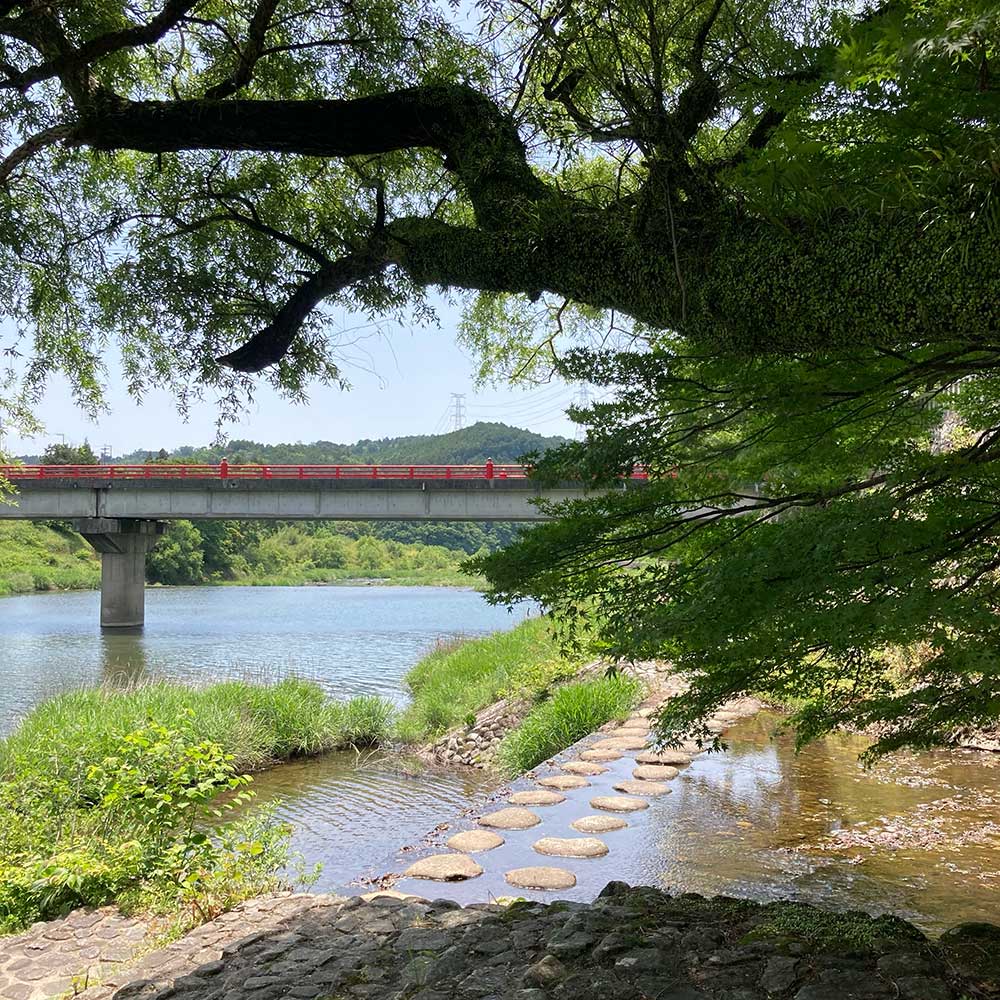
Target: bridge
121, 509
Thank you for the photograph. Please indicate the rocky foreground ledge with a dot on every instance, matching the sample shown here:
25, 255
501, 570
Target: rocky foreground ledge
629, 944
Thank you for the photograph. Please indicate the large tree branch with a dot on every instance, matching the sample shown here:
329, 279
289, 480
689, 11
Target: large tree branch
73, 59
272, 343
249, 54
479, 141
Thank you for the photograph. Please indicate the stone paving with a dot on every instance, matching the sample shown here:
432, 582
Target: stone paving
56, 957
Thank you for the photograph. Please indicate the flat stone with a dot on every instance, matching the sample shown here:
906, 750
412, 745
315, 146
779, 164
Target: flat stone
598, 824
601, 755
655, 772
618, 803
637, 722
626, 734
642, 787
582, 767
563, 781
672, 757
444, 868
571, 847
691, 747
475, 840
537, 797
716, 727
511, 819
391, 894
621, 743
541, 877
727, 716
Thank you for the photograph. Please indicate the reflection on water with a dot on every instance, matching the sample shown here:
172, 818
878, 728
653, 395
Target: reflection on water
353, 640
353, 811
916, 836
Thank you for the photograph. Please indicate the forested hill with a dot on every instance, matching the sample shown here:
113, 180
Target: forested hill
470, 445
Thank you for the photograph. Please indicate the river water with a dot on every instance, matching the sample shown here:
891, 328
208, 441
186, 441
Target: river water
919, 836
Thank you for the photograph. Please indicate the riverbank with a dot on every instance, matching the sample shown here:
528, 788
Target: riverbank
105, 794
629, 943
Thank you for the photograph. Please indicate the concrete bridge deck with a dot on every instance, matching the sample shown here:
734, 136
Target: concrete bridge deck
120, 509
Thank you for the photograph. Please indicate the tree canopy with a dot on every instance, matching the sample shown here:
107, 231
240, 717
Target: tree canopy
771, 230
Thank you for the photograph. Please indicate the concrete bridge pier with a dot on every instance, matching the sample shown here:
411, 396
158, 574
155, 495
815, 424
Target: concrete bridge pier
123, 544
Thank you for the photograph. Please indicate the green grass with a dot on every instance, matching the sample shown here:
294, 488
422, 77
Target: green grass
460, 677
38, 557
570, 714
259, 724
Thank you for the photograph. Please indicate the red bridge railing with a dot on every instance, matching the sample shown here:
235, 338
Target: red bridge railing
489, 470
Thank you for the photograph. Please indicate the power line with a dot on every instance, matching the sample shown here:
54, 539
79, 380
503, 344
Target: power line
457, 410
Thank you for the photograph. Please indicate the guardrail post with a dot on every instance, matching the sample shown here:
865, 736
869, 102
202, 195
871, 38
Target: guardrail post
489, 468
223, 469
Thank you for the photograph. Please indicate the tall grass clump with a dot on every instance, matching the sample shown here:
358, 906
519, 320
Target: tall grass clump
255, 724
459, 677
570, 714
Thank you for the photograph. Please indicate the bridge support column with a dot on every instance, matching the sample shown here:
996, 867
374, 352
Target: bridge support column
123, 544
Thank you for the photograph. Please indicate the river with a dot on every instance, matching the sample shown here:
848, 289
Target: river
919, 836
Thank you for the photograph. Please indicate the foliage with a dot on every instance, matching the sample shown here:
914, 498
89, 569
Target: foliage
67, 454
821, 929
458, 678
573, 711
255, 725
140, 826
39, 557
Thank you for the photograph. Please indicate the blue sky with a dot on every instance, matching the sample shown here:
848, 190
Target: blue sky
402, 383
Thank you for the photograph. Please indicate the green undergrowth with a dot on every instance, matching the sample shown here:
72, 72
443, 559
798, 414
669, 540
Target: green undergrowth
258, 724
122, 795
462, 676
573, 711
40, 557
829, 931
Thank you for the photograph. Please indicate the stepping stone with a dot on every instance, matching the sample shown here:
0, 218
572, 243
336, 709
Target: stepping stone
604, 755
582, 767
727, 716
618, 803
655, 772
674, 757
571, 847
691, 747
511, 819
475, 840
716, 727
642, 787
626, 734
598, 824
637, 722
622, 743
563, 781
536, 797
541, 877
444, 868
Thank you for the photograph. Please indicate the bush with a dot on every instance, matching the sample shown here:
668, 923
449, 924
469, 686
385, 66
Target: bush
573, 711
135, 827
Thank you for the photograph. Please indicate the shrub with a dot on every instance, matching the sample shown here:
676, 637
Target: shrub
136, 826
573, 711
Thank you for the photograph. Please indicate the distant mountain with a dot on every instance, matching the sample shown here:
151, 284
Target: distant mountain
468, 446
